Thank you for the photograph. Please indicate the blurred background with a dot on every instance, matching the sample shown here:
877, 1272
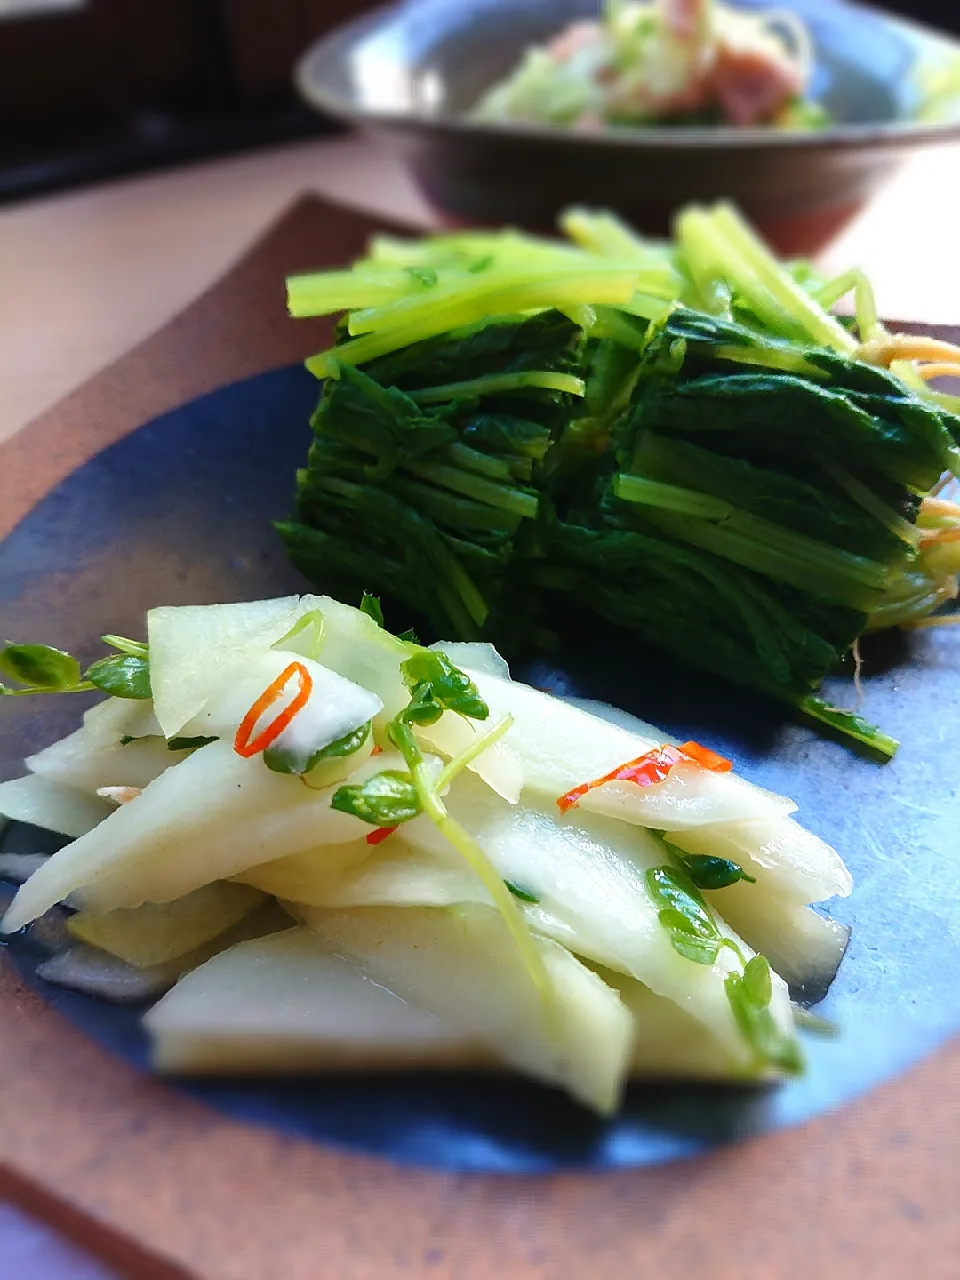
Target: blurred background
96, 88
93, 88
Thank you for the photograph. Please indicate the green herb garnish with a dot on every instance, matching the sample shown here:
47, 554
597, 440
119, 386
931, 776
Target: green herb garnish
523, 895
391, 797
370, 605
749, 994
695, 935
281, 759
40, 668
385, 800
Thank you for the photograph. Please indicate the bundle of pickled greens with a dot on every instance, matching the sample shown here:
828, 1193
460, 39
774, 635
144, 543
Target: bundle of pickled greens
665, 62
680, 438
324, 846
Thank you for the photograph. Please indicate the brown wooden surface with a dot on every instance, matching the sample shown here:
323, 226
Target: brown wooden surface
167, 1189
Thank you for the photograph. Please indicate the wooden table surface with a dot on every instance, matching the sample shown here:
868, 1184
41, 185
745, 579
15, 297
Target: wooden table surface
87, 274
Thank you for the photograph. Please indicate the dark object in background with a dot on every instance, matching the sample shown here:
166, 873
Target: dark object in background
944, 14
97, 88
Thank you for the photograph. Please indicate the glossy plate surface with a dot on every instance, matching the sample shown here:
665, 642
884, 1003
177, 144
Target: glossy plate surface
180, 511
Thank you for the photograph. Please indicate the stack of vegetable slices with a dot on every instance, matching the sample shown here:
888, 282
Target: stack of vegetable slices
680, 438
342, 849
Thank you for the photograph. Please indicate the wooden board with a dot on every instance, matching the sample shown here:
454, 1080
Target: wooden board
163, 1186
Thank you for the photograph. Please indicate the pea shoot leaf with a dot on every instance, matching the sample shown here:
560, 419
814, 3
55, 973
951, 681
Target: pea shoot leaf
123, 676
384, 800
281, 760
749, 994
40, 666
436, 685
707, 872
523, 895
370, 605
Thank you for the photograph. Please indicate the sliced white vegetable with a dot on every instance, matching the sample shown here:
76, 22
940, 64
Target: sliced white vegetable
461, 964
356, 647
209, 818
157, 932
391, 874
586, 874
95, 973
589, 872
76, 762
334, 708
477, 655
107, 722
499, 765
198, 650
803, 946
786, 858
622, 719
311, 876
286, 1003
561, 747
48, 804
668, 1043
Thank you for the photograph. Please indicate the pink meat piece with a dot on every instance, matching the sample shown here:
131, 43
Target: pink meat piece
683, 18
752, 86
579, 35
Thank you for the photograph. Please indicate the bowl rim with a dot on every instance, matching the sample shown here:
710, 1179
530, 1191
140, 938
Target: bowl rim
868, 134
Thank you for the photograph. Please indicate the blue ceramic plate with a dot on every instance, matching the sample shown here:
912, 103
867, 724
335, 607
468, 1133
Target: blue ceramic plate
179, 512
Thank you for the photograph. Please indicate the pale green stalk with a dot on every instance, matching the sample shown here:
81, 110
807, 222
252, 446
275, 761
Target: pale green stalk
820, 327
499, 384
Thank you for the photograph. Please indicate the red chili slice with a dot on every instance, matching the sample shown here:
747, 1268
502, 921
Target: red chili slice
380, 834
245, 744
652, 767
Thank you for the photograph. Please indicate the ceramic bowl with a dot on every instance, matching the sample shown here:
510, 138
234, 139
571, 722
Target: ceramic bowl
409, 74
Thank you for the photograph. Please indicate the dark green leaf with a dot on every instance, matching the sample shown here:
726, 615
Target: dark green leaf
282, 760
370, 605
699, 950
122, 676
707, 872
40, 666
409, 636
384, 800
380, 422
189, 744
674, 892
770, 1044
524, 895
436, 685
757, 981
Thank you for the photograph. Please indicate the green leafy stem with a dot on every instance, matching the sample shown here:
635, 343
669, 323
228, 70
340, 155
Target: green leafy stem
695, 935
40, 668
394, 796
